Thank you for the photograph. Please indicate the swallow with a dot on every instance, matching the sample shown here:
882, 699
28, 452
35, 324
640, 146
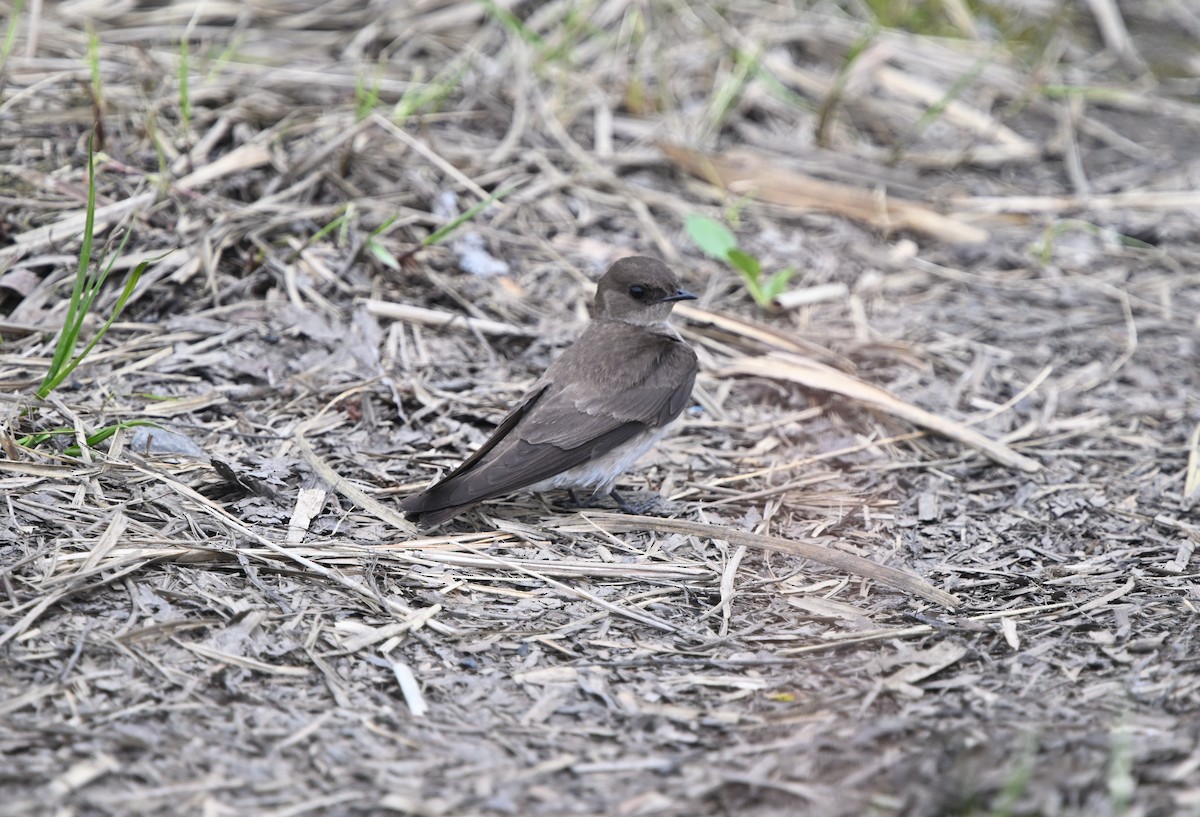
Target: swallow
603, 403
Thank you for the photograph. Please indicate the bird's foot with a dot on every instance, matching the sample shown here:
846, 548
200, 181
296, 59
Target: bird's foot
644, 504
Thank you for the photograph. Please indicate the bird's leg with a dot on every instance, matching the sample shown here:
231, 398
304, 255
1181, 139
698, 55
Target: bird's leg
635, 507
587, 502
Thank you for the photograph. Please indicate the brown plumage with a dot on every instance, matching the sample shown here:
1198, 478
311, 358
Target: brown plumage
601, 405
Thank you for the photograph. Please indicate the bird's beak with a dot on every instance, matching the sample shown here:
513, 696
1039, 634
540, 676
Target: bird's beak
680, 295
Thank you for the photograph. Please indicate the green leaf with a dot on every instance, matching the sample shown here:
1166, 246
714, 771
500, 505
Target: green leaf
712, 237
756, 293
746, 264
778, 282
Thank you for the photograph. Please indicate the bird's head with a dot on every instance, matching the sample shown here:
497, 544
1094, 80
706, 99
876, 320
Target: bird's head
638, 290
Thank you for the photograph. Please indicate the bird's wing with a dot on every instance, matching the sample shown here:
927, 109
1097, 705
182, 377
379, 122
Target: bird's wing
435, 495
651, 394
557, 427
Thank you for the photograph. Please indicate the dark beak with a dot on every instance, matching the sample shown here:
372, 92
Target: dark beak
680, 295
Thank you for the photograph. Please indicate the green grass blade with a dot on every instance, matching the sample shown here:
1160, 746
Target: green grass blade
69, 334
383, 254
511, 22
10, 32
431, 94
366, 97
34, 440
745, 67
87, 287
935, 111
833, 98
126, 293
185, 99
441, 233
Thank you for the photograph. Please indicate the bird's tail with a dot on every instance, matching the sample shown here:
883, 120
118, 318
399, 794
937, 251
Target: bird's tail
429, 510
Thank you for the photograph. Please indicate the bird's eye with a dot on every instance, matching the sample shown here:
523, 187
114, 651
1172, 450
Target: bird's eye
637, 292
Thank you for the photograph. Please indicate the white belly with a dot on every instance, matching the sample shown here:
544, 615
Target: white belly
598, 475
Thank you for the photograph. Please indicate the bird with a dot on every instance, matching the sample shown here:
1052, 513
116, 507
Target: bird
605, 401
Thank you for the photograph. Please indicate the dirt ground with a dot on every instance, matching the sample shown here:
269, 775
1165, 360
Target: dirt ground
982, 382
